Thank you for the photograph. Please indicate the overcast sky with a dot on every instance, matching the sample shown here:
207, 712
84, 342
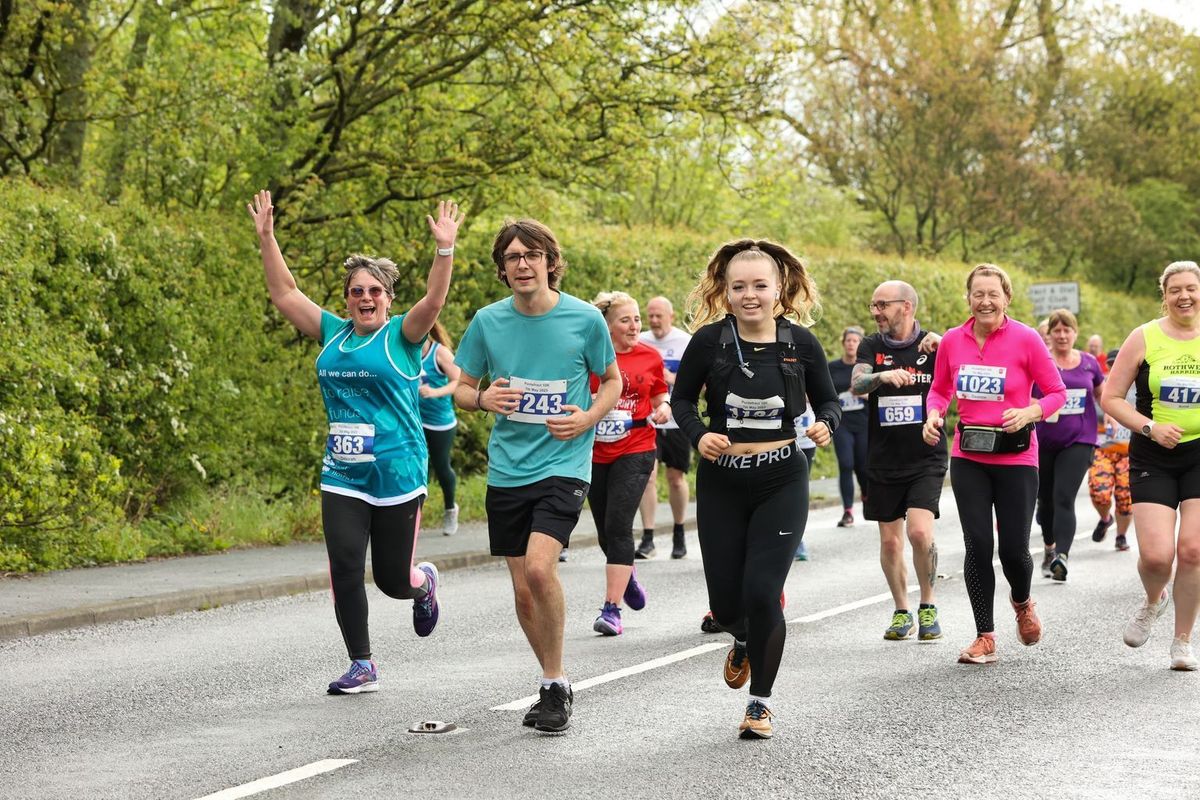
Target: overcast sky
1185, 12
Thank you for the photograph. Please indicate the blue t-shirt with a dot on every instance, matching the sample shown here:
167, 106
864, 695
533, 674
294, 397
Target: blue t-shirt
437, 413
549, 357
375, 449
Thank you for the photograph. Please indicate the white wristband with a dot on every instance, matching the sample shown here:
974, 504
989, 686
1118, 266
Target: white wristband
446, 251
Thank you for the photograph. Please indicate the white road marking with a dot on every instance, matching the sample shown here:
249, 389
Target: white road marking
646, 666
282, 779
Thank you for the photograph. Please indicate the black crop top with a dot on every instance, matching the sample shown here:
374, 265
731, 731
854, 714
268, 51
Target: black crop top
749, 409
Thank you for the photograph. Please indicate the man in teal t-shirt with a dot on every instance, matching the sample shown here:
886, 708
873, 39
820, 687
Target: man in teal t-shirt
539, 348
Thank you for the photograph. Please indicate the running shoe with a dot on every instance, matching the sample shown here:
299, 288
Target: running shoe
635, 593
554, 716
802, 551
980, 651
929, 627
425, 609
1182, 659
679, 547
1047, 557
1029, 627
1121, 542
901, 627
450, 521
783, 599
737, 666
1138, 629
709, 624
646, 548
1101, 529
757, 722
358, 679
609, 621
562, 556
1058, 567
847, 520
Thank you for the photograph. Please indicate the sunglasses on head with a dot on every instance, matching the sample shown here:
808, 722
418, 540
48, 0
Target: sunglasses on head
358, 291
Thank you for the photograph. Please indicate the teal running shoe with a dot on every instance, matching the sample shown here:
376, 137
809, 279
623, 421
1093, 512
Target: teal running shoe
928, 626
901, 627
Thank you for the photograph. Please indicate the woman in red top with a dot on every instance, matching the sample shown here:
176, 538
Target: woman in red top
623, 455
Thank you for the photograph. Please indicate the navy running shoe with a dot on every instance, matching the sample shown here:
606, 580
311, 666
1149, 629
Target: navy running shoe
358, 679
425, 609
635, 593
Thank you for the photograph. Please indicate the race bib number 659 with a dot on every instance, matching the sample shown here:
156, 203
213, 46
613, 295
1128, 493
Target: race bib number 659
540, 401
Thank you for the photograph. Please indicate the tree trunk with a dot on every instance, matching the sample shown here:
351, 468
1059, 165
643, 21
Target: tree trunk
66, 147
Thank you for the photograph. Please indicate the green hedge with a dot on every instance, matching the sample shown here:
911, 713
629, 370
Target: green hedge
148, 373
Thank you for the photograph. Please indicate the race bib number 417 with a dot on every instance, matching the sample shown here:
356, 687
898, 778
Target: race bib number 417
981, 382
540, 401
1180, 392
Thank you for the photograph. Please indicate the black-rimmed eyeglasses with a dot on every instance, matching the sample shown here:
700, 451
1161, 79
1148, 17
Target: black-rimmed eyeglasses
880, 305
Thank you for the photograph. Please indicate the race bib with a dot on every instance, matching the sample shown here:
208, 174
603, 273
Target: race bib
614, 426
1117, 433
752, 412
850, 401
980, 382
901, 410
540, 401
1180, 392
1075, 405
351, 443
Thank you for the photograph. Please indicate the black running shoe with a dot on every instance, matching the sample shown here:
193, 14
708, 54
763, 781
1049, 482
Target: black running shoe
847, 520
646, 548
1101, 530
531, 716
709, 624
1047, 558
679, 548
555, 713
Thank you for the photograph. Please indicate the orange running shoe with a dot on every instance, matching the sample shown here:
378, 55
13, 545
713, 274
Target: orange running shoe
737, 666
981, 651
1029, 627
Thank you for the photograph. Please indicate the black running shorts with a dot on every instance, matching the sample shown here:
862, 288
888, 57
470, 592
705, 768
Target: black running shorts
889, 499
1162, 476
550, 506
674, 449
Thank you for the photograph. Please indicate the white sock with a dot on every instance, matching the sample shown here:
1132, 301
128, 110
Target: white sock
563, 682
766, 701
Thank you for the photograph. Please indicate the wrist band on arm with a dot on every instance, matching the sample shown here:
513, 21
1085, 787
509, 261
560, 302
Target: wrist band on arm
479, 399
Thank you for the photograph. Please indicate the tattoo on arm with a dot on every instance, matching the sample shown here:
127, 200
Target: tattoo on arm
862, 380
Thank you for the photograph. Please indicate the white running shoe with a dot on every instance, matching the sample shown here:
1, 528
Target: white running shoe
1181, 655
1138, 629
450, 521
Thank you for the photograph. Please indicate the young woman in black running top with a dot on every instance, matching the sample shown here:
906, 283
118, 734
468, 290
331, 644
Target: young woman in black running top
752, 481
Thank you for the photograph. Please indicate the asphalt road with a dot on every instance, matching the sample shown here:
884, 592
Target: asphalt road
199, 704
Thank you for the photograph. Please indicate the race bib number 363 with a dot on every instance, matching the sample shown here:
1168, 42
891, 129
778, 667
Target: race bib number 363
352, 443
540, 401
981, 382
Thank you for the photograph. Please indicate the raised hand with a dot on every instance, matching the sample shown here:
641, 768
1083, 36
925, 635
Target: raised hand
445, 227
263, 214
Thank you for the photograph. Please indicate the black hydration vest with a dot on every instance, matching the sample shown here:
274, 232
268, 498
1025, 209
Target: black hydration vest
794, 399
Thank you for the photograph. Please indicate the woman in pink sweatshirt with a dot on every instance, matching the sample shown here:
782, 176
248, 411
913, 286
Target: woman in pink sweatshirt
989, 364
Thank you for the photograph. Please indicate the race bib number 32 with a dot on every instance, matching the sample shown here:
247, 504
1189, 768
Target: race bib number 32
540, 401
1076, 402
351, 443
981, 382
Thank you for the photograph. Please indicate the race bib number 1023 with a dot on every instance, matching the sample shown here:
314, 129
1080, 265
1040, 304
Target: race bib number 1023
540, 401
981, 382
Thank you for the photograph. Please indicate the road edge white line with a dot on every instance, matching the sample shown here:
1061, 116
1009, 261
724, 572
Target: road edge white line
282, 779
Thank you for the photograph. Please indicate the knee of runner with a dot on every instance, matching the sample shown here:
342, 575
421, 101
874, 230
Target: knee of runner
540, 577
920, 537
396, 588
891, 545
1187, 556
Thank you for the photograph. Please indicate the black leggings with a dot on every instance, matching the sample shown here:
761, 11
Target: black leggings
440, 443
1060, 474
751, 512
349, 523
1010, 490
614, 495
850, 444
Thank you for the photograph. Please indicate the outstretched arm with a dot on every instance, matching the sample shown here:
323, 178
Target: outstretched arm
285, 295
424, 313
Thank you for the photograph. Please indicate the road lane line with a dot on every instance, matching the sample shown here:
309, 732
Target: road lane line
646, 666
282, 779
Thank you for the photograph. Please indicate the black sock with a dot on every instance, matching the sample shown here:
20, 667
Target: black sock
901, 610
647, 534
927, 605
678, 530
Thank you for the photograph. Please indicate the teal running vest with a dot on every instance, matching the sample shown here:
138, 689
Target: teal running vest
375, 448
437, 413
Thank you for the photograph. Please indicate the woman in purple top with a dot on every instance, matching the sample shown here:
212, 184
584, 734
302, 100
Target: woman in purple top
1066, 442
989, 365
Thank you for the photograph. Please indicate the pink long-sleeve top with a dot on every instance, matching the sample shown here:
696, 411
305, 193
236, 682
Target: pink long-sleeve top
987, 381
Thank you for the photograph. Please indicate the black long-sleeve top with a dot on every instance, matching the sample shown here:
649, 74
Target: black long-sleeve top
743, 408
